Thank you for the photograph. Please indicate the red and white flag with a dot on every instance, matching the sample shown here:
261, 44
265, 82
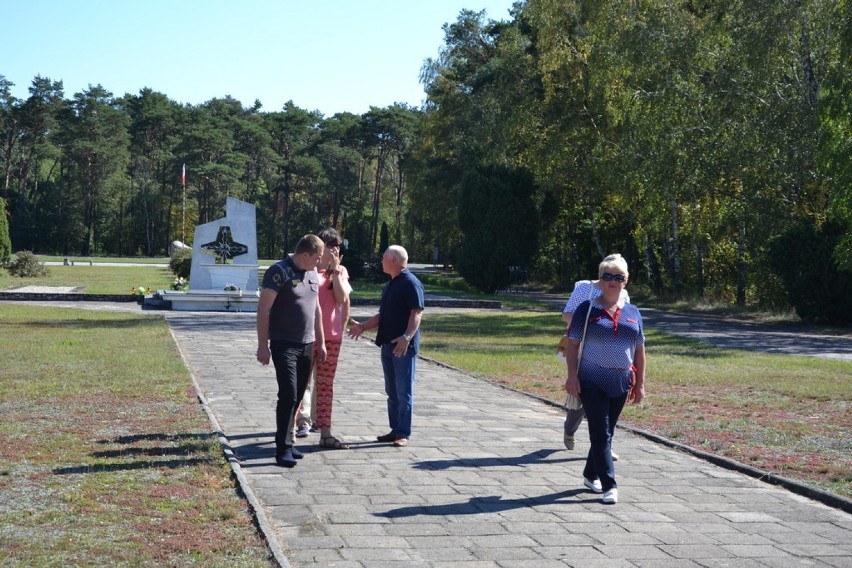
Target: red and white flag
183, 176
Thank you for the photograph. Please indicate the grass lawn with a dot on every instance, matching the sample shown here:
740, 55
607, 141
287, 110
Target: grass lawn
106, 457
96, 279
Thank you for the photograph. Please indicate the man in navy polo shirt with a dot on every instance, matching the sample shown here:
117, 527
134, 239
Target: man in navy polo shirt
398, 336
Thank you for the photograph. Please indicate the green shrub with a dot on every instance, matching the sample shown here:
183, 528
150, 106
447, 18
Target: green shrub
27, 265
181, 262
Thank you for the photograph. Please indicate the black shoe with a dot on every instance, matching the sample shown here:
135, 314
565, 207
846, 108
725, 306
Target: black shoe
296, 453
389, 437
286, 459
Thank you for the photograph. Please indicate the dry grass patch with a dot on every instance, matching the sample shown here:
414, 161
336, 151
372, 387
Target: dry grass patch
106, 457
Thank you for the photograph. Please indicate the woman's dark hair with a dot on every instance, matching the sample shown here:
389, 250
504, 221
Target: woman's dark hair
330, 237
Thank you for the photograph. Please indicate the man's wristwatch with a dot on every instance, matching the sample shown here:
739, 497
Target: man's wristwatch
407, 337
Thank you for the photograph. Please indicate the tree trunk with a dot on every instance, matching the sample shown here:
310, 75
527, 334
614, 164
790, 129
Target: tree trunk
654, 276
742, 265
675, 249
595, 235
699, 265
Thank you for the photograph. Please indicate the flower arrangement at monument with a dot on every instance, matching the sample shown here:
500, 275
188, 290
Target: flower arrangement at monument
230, 287
179, 284
141, 291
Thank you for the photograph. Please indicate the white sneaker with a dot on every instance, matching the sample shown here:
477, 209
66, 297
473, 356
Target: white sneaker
614, 456
610, 497
594, 486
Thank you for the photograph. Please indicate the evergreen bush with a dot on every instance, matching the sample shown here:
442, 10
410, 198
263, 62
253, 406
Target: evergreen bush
803, 257
27, 265
499, 221
181, 262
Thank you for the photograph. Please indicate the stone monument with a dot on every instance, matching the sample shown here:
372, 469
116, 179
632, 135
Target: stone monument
224, 273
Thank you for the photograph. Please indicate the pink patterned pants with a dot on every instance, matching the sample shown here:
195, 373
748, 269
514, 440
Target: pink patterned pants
324, 383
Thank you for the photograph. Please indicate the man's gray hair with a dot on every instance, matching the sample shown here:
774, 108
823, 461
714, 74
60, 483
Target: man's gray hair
400, 253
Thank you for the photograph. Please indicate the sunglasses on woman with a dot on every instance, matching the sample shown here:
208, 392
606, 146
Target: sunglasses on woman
609, 276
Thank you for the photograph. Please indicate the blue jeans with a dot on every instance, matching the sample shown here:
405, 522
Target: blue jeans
399, 386
293, 362
602, 414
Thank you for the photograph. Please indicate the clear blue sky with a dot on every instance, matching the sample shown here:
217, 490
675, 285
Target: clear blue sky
328, 55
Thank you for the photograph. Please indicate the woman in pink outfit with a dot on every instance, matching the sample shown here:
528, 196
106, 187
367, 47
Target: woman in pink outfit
334, 301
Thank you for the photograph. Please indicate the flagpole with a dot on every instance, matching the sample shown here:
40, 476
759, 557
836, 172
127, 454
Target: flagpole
183, 221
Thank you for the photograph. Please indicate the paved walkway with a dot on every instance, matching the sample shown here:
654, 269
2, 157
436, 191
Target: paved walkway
485, 481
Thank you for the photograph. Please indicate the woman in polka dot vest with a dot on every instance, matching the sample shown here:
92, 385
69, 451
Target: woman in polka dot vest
612, 359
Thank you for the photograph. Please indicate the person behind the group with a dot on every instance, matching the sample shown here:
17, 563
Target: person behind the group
398, 335
614, 345
583, 290
289, 321
334, 301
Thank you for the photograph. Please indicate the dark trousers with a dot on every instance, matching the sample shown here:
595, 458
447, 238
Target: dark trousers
293, 362
602, 414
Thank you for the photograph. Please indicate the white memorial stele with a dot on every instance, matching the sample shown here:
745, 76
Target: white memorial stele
224, 273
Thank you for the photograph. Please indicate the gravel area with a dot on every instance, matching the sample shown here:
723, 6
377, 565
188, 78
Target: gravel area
46, 289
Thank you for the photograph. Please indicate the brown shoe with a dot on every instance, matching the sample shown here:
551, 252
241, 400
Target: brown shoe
389, 437
400, 442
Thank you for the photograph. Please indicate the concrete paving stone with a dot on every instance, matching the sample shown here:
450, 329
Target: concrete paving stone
397, 499
417, 529
320, 558
835, 561
538, 563
376, 556
562, 538
695, 551
503, 541
668, 563
364, 530
697, 517
610, 538
465, 564
641, 516
374, 541
832, 531
739, 538
818, 549
681, 537
712, 529
475, 528
501, 554
638, 552
600, 563
447, 553
758, 551
316, 542
731, 563
771, 530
